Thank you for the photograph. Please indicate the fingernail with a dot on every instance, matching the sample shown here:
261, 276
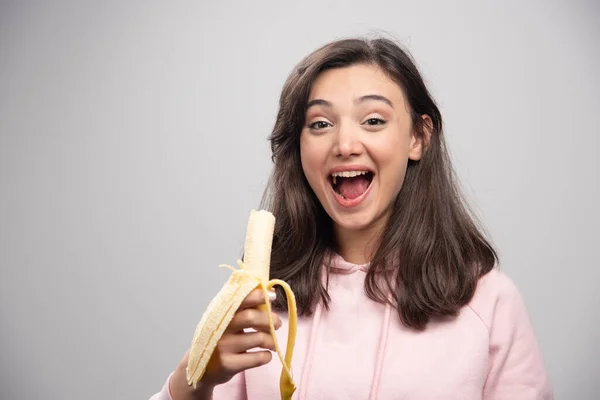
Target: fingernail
272, 295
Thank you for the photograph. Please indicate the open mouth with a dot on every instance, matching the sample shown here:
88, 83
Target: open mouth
350, 185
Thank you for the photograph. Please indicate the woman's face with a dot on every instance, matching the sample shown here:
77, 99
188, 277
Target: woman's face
356, 143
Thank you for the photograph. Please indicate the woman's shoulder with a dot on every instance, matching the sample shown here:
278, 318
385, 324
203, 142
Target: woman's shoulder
496, 283
517, 364
496, 298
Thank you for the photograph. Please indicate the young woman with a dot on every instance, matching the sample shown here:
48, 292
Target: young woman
397, 288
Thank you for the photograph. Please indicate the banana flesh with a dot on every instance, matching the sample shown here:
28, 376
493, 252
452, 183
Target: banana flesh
253, 273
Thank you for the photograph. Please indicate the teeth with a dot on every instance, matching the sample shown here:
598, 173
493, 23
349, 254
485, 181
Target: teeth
348, 174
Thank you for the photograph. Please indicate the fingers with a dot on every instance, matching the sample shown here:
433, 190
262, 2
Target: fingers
252, 318
242, 342
248, 316
255, 298
232, 364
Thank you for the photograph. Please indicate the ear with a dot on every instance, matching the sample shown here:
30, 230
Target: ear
420, 140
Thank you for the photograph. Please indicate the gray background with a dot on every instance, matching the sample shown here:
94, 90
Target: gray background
133, 145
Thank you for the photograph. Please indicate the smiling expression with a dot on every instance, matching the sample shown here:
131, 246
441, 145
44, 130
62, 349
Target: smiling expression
356, 143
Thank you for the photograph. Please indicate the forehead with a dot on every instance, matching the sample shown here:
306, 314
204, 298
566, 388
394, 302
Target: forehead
349, 83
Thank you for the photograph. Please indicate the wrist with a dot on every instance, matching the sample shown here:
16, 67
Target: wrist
180, 390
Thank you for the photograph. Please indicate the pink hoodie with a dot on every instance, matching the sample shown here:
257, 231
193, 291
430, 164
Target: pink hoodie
360, 350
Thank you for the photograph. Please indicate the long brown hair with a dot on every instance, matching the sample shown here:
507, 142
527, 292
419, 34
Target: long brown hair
431, 237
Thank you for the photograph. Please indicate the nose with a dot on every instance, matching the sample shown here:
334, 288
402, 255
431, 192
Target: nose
347, 142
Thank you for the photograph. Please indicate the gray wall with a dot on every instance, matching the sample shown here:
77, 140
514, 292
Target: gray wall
133, 145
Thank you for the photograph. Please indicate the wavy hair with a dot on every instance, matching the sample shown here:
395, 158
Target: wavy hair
431, 239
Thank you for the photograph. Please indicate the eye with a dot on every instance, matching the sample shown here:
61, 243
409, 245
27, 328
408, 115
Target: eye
375, 121
319, 125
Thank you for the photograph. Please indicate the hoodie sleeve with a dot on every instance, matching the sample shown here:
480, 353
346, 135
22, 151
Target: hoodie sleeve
164, 394
516, 366
235, 389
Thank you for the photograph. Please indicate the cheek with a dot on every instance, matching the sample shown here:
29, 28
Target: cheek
310, 159
392, 159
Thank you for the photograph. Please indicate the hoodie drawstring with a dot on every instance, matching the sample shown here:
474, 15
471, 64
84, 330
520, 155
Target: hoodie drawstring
311, 348
381, 352
312, 339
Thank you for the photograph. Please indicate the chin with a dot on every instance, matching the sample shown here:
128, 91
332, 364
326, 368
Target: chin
358, 222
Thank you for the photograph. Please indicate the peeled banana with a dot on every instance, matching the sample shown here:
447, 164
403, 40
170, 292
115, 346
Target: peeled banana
253, 273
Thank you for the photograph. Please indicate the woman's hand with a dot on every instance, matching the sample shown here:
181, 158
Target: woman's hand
231, 355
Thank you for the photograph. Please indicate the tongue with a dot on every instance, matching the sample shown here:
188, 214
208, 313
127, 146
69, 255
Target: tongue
351, 188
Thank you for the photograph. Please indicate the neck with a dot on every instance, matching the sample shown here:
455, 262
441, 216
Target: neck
357, 246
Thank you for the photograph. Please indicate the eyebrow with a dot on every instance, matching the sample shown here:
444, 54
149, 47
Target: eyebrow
318, 102
376, 97
361, 99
